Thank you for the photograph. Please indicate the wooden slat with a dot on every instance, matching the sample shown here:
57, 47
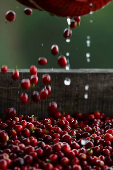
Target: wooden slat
70, 99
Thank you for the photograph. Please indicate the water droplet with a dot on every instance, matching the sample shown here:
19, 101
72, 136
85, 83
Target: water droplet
90, 4
83, 142
67, 81
42, 44
86, 87
67, 54
68, 65
88, 41
91, 21
85, 96
18, 92
68, 40
87, 54
88, 37
91, 12
68, 21
88, 60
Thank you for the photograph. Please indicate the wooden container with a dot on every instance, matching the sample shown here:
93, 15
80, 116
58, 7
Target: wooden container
89, 90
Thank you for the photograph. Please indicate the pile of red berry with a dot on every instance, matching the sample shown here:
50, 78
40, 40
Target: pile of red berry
56, 143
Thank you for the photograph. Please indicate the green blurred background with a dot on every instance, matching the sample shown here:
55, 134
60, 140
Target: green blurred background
26, 39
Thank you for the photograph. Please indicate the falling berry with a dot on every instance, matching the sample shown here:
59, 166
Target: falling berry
46, 79
33, 79
62, 61
25, 84
54, 49
43, 93
52, 107
4, 69
73, 24
33, 70
15, 75
77, 19
67, 33
48, 87
42, 61
35, 96
24, 98
28, 11
10, 16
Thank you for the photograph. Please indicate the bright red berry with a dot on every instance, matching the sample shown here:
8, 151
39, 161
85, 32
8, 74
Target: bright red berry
54, 49
25, 84
33, 70
28, 11
77, 19
24, 98
4, 69
73, 24
42, 61
10, 16
67, 33
46, 79
15, 75
3, 164
62, 61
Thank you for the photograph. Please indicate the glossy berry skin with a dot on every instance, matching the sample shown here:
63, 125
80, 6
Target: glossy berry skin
33, 79
42, 61
67, 33
62, 61
10, 16
10, 112
43, 94
15, 75
25, 84
28, 11
46, 79
3, 164
48, 87
77, 19
24, 98
52, 107
33, 70
35, 96
4, 69
73, 24
64, 161
54, 49
3, 136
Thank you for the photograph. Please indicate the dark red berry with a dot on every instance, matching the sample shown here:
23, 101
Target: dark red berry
43, 94
54, 49
34, 79
10, 16
28, 11
77, 19
52, 107
48, 87
46, 79
67, 33
35, 96
33, 70
4, 69
42, 61
24, 98
73, 24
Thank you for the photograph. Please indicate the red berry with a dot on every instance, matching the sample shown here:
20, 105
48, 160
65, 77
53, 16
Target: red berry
28, 159
10, 16
97, 114
34, 79
3, 164
42, 61
15, 75
4, 69
3, 136
46, 79
10, 112
67, 33
24, 98
54, 49
62, 61
73, 24
52, 107
48, 87
28, 11
25, 84
108, 136
35, 96
33, 70
64, 161
76, 167
77, 19
43, 94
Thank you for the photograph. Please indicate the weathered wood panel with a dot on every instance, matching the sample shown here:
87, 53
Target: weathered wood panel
70, 99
